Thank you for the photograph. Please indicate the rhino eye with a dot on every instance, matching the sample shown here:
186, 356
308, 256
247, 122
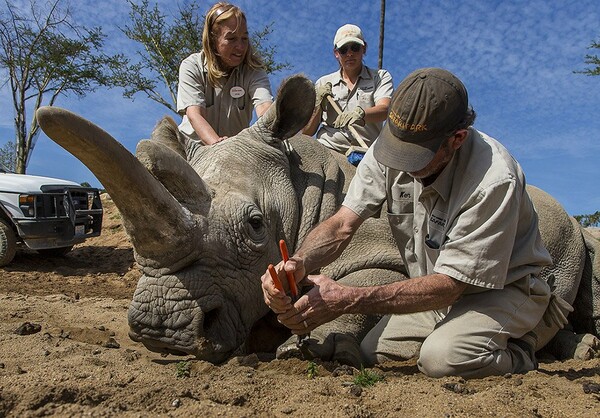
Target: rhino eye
255, 227
256, 222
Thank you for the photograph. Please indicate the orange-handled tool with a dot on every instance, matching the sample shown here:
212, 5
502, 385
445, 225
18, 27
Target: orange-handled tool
275, 279
290, 276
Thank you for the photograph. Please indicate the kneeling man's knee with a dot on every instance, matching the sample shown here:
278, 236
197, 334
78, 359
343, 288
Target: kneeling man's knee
436, 358
441, 357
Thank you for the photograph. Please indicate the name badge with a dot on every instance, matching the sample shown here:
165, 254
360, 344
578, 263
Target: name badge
236, 92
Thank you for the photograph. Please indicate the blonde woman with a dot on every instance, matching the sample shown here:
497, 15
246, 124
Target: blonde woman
220, 86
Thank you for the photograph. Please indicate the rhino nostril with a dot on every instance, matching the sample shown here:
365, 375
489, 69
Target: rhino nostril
210, 318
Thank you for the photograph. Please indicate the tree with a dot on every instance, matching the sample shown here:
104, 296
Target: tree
592, 60
589, 220
8, 156
167, 42
45, 55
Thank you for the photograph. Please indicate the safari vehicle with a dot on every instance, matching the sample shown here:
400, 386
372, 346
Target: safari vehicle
45, 214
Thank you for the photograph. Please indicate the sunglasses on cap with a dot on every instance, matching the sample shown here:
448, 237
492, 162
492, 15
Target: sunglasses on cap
354, 47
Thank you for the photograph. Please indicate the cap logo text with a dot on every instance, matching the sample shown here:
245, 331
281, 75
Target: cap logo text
414, 127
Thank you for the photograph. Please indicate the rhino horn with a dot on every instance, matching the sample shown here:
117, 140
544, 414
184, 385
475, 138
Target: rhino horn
141, 198
291, 111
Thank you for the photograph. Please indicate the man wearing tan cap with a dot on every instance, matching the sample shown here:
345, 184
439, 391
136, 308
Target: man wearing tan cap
466, 228
361, 93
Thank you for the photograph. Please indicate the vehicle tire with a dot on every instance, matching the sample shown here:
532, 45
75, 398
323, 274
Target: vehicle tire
8, 243
55, 252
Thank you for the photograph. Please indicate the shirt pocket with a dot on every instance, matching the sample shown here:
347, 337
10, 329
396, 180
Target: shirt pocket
436, 237
400, 199
365, 99
401, 225
432, 252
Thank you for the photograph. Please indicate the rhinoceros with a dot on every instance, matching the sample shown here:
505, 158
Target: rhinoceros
205, 221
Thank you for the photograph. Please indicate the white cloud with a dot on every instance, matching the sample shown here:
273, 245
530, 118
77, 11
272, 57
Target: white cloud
516, 59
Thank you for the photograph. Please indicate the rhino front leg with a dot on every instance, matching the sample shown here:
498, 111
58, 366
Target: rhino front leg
569, 345
339, 340
330, 342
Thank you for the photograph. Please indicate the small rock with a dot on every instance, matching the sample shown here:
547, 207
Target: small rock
176, 403
131, 355
96, 351
27, 328
589, 387
248, 361
343, 370
111, 343
356, 390
458, 387
2, 365
239, 400
287, 410
46, 353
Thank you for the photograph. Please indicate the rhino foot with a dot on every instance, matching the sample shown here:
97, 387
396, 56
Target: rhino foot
342, 348
588, 347
568, 345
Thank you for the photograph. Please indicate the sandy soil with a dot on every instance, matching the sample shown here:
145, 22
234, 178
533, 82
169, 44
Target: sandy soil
64, 351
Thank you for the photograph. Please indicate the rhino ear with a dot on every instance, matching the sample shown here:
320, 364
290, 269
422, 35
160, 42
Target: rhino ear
291, 111
167, 133
175, 173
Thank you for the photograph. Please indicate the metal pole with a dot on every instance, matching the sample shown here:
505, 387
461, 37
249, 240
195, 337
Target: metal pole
381, 32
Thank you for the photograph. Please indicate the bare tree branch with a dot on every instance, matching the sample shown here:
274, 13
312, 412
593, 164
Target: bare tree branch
45, 55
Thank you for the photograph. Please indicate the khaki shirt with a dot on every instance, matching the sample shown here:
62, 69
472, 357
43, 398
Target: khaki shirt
475, 223
228, 108
371, 86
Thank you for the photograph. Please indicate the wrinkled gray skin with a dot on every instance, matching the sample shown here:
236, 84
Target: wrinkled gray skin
205, 222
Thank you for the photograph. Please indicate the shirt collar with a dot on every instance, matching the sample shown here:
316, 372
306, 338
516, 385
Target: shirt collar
443, 183
365, 74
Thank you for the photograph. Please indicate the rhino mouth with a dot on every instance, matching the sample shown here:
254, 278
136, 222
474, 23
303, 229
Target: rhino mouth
208, 327
202, 347
198, 350
158, 346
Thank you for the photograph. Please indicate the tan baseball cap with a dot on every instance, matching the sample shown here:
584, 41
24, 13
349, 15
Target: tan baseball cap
425, 109
348, 33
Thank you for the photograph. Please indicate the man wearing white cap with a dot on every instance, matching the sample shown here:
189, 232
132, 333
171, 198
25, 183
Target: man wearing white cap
363, 95
474, 304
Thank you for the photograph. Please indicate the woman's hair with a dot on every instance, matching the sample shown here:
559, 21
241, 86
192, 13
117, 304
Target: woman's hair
217, 14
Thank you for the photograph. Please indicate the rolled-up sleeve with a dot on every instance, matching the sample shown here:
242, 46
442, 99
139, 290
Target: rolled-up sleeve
385, 89
191, 87
367, 191
260, 88
480, 242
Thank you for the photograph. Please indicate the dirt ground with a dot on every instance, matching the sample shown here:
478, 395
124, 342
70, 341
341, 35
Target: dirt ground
64, 351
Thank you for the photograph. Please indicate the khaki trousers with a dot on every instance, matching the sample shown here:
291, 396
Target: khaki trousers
471, 339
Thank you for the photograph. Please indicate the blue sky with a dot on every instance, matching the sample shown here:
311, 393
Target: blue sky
516, 59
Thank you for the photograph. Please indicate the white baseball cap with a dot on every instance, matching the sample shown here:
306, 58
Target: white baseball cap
346, 34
